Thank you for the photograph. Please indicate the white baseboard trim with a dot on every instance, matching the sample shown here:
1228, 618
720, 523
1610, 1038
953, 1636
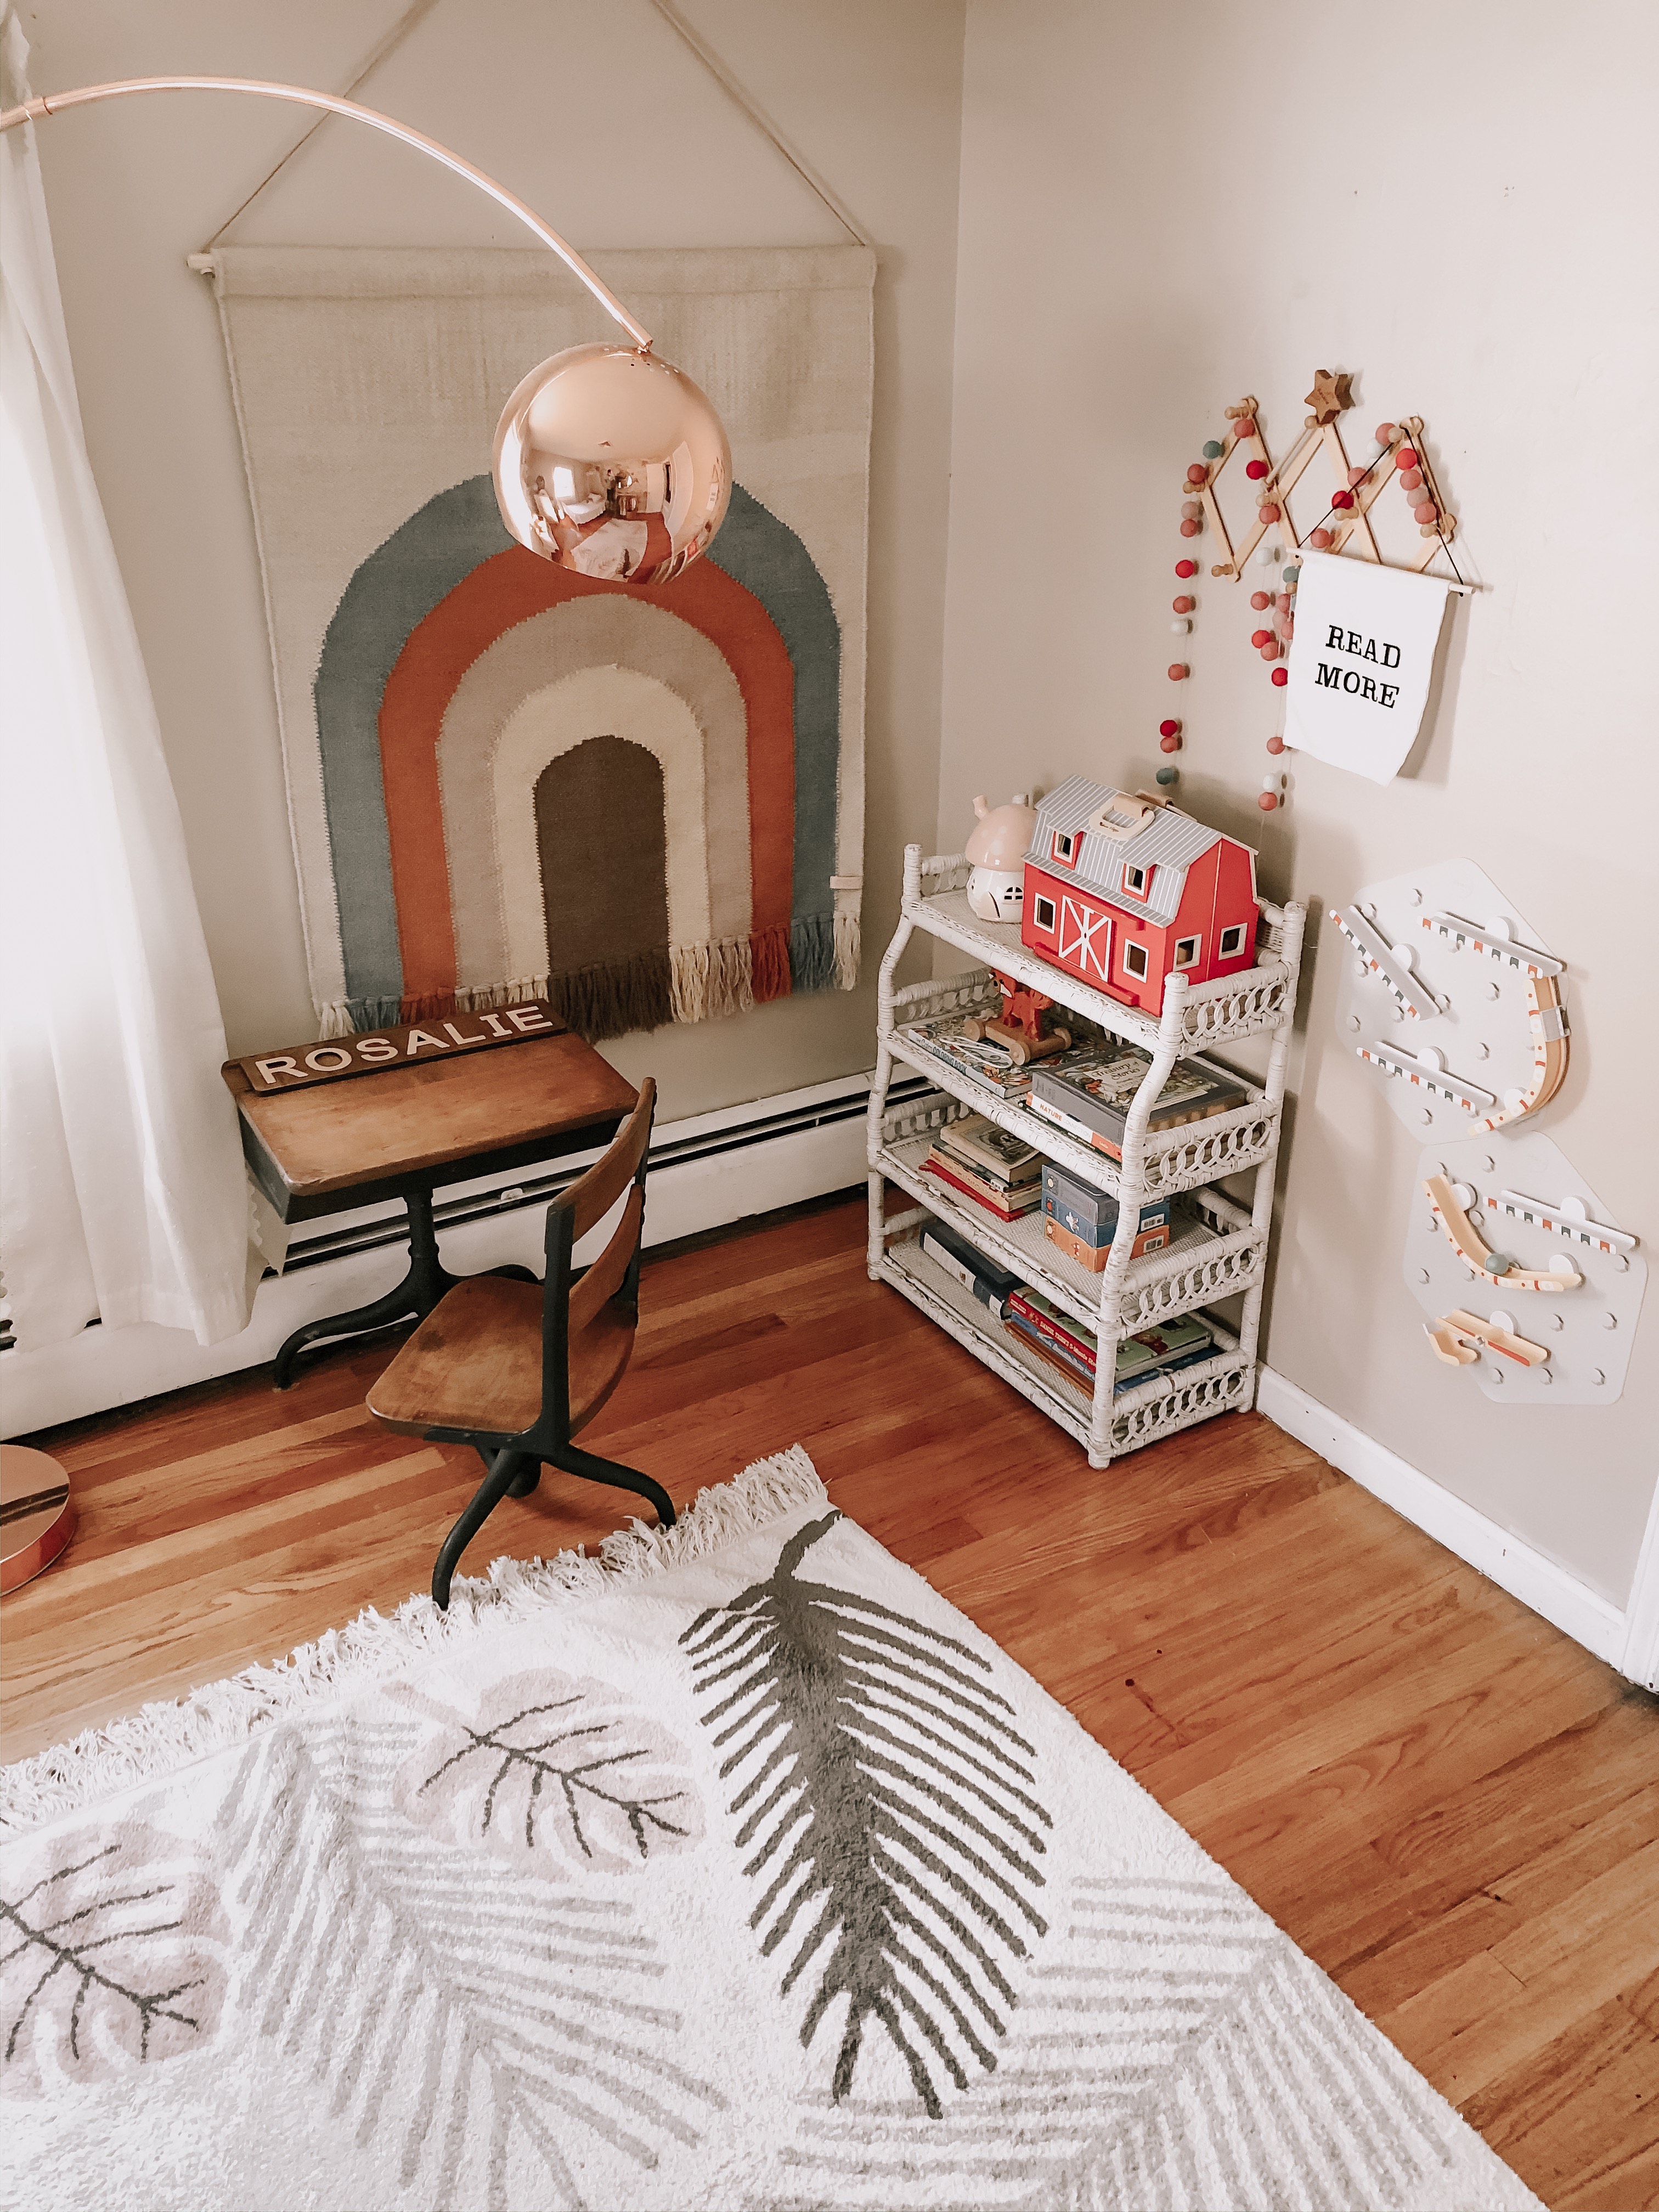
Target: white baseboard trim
706, 1171
1548, 1588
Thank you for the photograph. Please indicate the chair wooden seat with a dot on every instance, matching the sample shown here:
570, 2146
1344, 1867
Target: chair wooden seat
474, 1364
517, 1368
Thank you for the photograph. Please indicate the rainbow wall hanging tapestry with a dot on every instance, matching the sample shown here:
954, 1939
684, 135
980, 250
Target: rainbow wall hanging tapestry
645, 804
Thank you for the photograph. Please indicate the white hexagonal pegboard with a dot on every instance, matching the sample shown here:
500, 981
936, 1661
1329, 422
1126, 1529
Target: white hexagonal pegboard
1527, 1203
1447, 1027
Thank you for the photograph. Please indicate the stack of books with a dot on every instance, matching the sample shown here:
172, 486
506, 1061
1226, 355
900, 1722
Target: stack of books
1072, 1347
1088, 1094
984, 1163
1081, 1221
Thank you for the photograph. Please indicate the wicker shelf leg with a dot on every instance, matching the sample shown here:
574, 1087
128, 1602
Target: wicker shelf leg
884, 1075
1261, 1207
1132, 1190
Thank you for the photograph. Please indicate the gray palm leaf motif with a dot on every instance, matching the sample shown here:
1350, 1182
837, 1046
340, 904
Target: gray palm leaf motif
472, 2014
1172, 2048
883, 1785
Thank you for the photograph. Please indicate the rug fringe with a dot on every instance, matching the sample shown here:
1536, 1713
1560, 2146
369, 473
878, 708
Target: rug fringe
768, 951
488, 997
688, 967
847, 951
811, 952
613, 997
145, 1747
705, 983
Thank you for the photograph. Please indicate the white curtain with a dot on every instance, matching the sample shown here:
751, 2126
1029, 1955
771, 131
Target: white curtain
122, 1190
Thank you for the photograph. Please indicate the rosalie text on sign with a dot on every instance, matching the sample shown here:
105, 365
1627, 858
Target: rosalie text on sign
331, 1059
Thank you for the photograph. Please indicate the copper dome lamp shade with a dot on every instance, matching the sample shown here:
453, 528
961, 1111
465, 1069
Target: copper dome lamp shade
607, 461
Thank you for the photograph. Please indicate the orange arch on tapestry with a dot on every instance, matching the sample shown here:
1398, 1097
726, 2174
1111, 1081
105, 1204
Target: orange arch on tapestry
500, 592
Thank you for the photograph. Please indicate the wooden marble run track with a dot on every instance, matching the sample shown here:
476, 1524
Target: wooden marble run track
1473, 1251
1547, 1017
1458, 1338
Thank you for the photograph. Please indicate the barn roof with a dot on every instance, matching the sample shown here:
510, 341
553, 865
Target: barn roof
1169, 844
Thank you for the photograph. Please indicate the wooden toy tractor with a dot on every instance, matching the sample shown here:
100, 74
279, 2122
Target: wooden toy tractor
1022, 1025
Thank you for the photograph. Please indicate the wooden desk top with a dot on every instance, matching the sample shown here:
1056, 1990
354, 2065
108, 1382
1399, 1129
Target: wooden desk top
408, 1125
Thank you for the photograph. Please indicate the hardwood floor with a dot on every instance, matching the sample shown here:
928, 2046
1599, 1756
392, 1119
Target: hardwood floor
1452, 1807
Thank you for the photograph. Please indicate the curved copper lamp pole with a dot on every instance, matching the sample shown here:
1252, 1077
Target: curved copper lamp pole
298, 95
607, 461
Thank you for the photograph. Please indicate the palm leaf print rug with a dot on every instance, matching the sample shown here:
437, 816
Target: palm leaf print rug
732, 1869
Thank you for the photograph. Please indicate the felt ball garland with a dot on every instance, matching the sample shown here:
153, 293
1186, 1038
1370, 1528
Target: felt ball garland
1184, 604
1272, 639
1398, 453
1272, 794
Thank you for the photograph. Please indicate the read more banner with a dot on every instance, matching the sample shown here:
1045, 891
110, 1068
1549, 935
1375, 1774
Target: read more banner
1361, 662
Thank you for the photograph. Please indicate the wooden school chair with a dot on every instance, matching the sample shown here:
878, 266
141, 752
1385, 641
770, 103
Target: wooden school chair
517, 1370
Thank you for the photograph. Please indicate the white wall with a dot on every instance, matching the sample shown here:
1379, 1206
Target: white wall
599, 118
1165, 208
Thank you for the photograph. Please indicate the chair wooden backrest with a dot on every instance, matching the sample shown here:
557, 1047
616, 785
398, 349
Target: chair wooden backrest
569, 1310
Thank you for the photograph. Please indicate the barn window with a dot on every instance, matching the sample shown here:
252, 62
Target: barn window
1135, 961
1045, 911
1232, 941
1065, 845
1187, 951
1137, 879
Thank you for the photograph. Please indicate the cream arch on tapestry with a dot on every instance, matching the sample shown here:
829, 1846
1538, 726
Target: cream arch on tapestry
584, 634
602, 703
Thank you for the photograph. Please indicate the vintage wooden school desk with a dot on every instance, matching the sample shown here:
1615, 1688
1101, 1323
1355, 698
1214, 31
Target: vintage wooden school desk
395, 1124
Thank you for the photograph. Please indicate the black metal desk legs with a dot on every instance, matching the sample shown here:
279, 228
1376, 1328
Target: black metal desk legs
413, 1299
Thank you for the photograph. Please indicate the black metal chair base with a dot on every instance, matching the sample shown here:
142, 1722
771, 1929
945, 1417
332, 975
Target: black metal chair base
515, 1474
425, 1282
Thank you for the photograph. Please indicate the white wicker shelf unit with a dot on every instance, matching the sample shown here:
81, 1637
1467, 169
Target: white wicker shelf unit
1218, 1250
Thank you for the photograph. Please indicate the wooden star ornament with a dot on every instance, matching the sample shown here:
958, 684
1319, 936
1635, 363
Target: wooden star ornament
1331, 396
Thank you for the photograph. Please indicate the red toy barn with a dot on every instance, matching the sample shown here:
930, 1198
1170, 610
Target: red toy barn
1122, 891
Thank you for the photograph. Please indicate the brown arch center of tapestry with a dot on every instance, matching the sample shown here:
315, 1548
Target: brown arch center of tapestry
602, 844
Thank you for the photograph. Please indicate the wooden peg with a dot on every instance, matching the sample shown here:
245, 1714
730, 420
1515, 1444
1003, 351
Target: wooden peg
1446, 1344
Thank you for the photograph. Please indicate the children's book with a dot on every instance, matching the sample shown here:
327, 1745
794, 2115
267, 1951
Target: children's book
966, 1264
1136, 1355
1084, 1377
1008, 1205
983, 1059
1090, 1095
992, 1152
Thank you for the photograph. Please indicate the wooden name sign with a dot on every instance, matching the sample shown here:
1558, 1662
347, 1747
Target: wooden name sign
333, 1059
